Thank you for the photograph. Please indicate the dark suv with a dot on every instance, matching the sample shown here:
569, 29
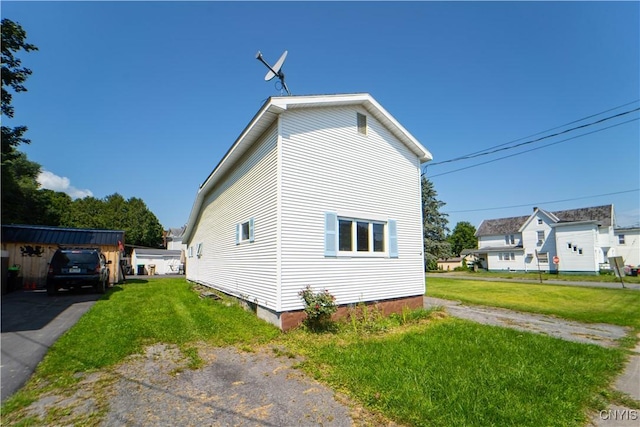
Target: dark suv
74, 268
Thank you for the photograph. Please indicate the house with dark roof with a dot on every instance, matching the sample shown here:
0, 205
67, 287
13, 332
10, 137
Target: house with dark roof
570, 241
27, 250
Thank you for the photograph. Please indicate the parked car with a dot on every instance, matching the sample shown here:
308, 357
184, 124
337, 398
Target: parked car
630, 270
74, 268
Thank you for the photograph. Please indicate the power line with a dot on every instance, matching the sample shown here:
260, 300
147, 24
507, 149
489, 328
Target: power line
485, 152
549, 130
532, 149
545, 203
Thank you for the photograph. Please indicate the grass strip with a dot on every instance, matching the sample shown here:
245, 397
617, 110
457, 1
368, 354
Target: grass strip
455, 372
589, 305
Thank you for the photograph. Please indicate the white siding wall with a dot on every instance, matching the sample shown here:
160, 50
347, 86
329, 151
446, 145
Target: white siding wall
249, 269
630, 250
328, 167
580, 236
530, 242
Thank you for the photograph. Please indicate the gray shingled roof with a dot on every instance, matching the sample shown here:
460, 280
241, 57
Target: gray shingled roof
492, 227
60, 236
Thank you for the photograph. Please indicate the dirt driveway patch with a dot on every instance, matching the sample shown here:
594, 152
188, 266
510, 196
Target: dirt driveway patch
592, 333
232, 388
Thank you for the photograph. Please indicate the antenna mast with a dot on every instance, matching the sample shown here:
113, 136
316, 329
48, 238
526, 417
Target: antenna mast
276, 71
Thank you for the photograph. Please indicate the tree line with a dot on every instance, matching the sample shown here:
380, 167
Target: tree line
24, 202
438, 242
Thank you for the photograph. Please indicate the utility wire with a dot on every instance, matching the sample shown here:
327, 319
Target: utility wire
545, 203
548, 130
532, 149
484, 153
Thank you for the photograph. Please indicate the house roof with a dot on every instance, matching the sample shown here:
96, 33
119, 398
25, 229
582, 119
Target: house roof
176, 232
60, 236
602, 214
268, 115
157, 252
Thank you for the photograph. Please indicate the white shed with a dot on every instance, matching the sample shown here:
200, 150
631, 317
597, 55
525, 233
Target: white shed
156, 261
317, 190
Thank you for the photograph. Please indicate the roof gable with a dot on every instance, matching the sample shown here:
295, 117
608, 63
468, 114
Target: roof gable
268, 115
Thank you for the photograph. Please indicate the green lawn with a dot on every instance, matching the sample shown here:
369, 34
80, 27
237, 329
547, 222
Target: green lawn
534, 275
591, 305
454, 372
417, 368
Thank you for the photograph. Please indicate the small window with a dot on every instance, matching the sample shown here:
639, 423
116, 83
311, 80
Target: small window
575, 249
378, 237
363, 236
543, 257
344, 235
510, 239
199, 250
621, 239
245, 232
190, 252
362, 124
539, 221
540, 237
568, 245
580, 251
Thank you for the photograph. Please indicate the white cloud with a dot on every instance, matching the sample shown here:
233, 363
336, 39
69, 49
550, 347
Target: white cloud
51, 181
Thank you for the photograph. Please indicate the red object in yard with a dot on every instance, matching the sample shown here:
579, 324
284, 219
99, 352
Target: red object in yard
556, 260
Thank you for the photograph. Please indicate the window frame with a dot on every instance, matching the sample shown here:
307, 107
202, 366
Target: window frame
355, 232
361, 124
621, 240
540, 239
240, 228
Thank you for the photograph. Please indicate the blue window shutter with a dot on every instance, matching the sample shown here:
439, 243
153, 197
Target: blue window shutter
330, 234
393, 239
237, 234
251, 235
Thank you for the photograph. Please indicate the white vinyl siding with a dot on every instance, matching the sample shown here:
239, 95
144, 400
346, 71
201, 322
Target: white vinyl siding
247, 195
321, 173
573, 239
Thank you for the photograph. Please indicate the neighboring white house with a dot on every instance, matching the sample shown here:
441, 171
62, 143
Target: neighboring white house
173, 238
627, 244
156, 261
317, 190
581, 239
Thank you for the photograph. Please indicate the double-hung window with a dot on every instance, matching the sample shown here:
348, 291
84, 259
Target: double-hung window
245, 232
356, 236
540, 237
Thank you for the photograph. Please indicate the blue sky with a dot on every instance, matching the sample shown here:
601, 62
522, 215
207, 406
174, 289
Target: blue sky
144, 98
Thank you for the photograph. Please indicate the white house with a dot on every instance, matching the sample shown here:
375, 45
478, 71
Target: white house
156, 261
627, 244
581, 240
317, 190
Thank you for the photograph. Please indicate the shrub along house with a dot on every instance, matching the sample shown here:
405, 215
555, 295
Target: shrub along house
30, 248
317, 190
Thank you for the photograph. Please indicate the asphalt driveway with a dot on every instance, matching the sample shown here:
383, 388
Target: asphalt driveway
31, 323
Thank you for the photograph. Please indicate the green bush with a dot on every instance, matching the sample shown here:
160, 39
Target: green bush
318, 306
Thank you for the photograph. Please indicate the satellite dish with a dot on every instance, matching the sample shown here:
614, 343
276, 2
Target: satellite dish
276, 70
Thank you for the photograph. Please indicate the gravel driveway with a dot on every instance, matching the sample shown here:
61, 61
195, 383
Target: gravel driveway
592, 333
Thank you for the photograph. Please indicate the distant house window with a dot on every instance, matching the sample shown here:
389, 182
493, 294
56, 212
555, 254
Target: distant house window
539, 221
510, 239
568, 245
621, 239
580, 251
540, 237
506, 256
245, 232
190, 252
199, 250
362, 124
543, 257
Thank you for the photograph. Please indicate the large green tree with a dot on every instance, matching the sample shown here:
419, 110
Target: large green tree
434, 226
21, 202
462, 237
140, 225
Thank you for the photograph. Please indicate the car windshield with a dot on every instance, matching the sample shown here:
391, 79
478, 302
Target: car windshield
69, 259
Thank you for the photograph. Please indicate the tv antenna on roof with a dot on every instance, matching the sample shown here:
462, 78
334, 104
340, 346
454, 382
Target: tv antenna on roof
276, 70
